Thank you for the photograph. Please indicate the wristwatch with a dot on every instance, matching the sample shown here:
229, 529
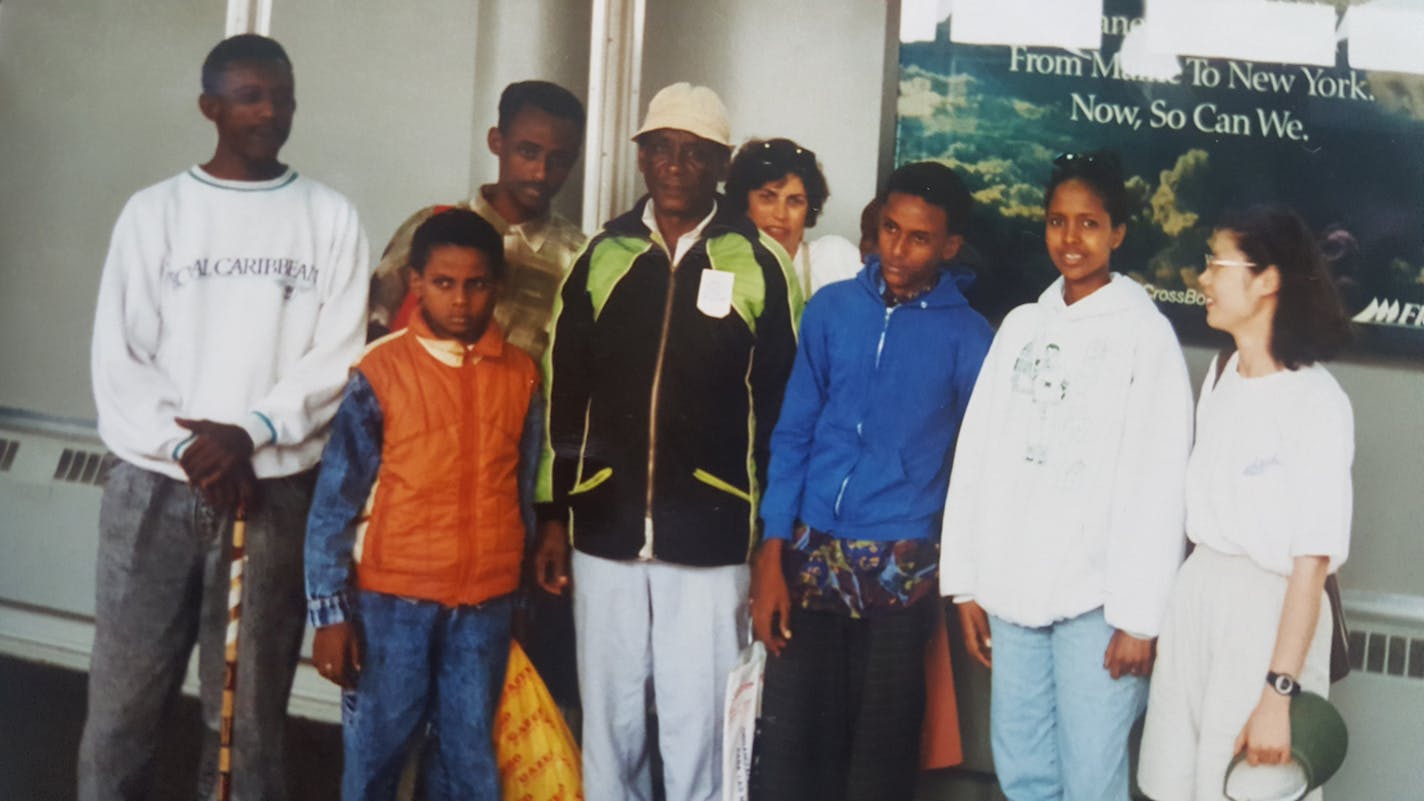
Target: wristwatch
1283, 683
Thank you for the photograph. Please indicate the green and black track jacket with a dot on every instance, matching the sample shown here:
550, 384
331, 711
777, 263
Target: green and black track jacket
660, 414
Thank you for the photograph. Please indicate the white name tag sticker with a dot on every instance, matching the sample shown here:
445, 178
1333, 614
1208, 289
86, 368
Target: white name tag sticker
714, 295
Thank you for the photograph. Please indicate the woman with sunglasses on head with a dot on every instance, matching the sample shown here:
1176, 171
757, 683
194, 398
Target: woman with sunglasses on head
779, 186
1063, 521
1268, 506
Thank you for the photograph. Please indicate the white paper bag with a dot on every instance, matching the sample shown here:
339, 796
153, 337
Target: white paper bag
740, 713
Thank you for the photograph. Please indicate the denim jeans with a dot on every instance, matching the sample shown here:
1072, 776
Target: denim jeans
423, 662
162, 585
1058, 721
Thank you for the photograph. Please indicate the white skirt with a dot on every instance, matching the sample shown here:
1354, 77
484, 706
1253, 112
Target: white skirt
1212, 657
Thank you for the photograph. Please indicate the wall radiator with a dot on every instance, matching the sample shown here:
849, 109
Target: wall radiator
51, 474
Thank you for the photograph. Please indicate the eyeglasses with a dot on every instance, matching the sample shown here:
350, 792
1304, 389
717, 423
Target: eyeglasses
1213, 262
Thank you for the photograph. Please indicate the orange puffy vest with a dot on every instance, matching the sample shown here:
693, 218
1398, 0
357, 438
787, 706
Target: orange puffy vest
444, 521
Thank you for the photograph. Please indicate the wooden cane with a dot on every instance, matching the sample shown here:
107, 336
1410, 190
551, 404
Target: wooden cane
234, 614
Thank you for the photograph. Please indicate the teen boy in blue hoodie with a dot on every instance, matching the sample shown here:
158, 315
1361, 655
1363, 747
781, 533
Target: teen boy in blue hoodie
860, 462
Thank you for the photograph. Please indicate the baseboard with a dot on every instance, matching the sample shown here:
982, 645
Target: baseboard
62, 640
45, 637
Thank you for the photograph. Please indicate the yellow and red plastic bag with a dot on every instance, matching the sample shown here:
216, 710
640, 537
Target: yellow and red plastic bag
537, 755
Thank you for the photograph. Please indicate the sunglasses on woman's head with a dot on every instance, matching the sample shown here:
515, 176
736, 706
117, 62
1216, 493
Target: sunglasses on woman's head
1097, 158
800, 154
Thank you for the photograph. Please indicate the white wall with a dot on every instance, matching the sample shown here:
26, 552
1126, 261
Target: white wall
1388, 546
97, 100
808, 70
523, 40
385, 101
398, 97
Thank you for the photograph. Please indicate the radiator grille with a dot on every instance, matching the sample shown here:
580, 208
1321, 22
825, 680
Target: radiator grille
83, 467
1389, 654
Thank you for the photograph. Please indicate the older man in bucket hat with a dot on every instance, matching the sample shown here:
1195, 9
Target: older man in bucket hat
673, 338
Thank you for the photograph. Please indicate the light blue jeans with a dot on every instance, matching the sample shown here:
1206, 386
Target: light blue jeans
1058, 720
425, 662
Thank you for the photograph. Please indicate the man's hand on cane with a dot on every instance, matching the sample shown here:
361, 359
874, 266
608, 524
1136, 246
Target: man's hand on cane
219, 464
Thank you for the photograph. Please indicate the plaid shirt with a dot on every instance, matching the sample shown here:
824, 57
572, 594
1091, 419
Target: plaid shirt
539, 253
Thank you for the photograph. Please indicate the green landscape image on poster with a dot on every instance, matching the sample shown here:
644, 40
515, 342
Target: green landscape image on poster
1344, 147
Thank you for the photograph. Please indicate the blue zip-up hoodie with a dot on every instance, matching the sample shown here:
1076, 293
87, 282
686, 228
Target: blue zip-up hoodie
865, 440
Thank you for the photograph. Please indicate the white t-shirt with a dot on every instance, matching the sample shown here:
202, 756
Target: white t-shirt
241, 302
1269, 476
825, 261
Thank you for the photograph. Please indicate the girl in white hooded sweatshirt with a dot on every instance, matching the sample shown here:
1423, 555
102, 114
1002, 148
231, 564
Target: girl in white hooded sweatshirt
1063, 525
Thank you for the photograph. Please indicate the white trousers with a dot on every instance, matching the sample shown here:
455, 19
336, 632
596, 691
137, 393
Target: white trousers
1212, 657
677, 630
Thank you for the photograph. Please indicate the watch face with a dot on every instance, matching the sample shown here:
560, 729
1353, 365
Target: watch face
1283, 684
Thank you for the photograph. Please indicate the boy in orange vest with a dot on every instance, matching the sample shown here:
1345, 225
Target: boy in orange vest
417, 530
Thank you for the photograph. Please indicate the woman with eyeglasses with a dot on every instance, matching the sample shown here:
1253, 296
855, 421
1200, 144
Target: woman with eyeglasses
1063, 522
779, 186
1268, 506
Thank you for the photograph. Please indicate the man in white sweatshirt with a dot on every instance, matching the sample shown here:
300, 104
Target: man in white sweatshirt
232, 303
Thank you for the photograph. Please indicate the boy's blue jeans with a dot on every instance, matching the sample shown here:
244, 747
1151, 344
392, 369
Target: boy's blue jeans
1058, 721
421, 661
